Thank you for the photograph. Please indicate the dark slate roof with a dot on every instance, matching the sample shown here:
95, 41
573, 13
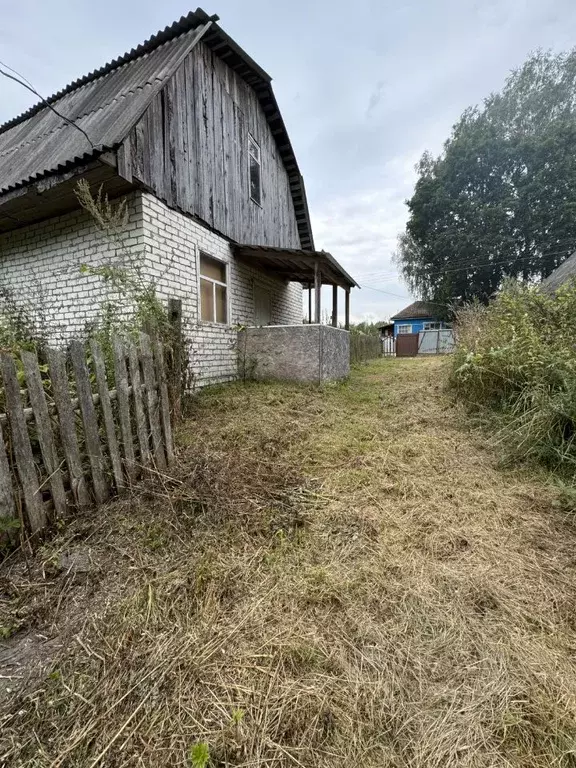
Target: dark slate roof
418, 309
562, 274
107, 102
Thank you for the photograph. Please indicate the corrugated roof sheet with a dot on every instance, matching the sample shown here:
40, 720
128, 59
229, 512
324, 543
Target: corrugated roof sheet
106, 103
562, 274
418, 309
105, 107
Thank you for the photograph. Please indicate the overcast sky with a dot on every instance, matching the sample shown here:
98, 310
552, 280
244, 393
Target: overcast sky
364, 89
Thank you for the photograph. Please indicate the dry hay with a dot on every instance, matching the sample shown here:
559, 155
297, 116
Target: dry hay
332, 578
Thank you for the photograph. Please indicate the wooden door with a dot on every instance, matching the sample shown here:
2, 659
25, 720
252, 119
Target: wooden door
407, 345
262, 305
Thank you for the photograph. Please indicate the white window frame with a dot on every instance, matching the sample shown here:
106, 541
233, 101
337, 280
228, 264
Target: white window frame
401, 329
214, 282
434, 325
255, 154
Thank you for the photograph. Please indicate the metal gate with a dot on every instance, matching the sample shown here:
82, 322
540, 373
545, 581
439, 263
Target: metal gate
407, 345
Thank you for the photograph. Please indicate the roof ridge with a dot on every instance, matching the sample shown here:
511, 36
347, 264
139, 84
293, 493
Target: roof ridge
185, 24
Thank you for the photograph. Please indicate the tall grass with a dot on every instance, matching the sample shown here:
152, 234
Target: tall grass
517, 357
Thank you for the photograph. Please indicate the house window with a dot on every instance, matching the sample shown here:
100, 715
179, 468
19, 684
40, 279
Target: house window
213, 290
404, 329
255, 171
432, 326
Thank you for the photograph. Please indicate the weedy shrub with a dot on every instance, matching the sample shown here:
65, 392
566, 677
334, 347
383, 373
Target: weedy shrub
517, 357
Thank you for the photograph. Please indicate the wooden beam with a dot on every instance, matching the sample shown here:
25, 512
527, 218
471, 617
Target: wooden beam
309, 302
347, 310
317, 291
335, 306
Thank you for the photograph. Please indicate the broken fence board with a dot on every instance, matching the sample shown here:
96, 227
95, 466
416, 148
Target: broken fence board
90, 421
164, 399
66, 418
123, 398
141, 426
21, 446
7, 506
152, 401
106, 406
44, 430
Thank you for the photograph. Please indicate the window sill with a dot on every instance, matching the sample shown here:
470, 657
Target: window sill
213, 324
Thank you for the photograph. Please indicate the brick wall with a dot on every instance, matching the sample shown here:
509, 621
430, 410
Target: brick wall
172, 245
41, 264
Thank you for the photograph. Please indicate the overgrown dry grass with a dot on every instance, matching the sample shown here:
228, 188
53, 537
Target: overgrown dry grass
340, 577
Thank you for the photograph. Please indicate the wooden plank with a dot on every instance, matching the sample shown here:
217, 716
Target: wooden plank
164, 399
141, 426
176, 372
21, 446
123, 396
152, 401
44, 431
7, 506
106, 406
335, 306
65, 410
90, 421
317, 292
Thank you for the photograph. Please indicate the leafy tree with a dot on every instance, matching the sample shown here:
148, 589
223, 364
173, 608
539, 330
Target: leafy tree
500, 200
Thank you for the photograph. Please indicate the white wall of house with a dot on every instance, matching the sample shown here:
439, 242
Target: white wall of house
41, 264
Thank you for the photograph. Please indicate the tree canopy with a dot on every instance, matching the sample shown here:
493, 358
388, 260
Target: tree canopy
500, 200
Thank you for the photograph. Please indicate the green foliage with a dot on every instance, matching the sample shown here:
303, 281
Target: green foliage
518, 358
17, 330
366, 328
499, 201
199, 755
131, 303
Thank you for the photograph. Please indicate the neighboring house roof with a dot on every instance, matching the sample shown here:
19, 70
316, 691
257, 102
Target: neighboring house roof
418, 309
109, 101
562, 274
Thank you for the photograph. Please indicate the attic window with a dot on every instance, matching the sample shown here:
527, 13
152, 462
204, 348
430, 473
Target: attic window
255, 171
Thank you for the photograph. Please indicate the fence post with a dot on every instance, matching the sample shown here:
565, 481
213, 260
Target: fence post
90, 421
63, 402
175, 368
44, 430
21, 444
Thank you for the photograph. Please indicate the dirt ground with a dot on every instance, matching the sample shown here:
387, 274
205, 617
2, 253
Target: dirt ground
344, 576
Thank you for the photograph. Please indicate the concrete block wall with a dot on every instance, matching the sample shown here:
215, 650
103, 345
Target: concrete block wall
305, 353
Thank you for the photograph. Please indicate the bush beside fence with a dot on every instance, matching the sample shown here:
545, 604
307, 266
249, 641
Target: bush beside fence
364, 347
64, 446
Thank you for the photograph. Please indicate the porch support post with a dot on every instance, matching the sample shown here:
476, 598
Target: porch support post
317, 291
347, 310
309, 302
335, 306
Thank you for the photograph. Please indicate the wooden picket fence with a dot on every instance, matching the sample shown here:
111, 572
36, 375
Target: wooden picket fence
68, 440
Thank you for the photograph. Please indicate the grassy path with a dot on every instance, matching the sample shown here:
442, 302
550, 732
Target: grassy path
337, 577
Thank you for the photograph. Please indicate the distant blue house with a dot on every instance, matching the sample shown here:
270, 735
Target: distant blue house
419, 316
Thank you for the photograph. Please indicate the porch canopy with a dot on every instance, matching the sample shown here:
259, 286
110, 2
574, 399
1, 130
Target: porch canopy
311, 268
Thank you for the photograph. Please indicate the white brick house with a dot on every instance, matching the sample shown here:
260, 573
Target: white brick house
187, 129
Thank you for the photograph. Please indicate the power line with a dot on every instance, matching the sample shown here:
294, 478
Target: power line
18, 78
463, 260
450, 267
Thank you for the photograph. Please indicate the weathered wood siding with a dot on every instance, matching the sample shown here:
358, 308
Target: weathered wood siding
191, 149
